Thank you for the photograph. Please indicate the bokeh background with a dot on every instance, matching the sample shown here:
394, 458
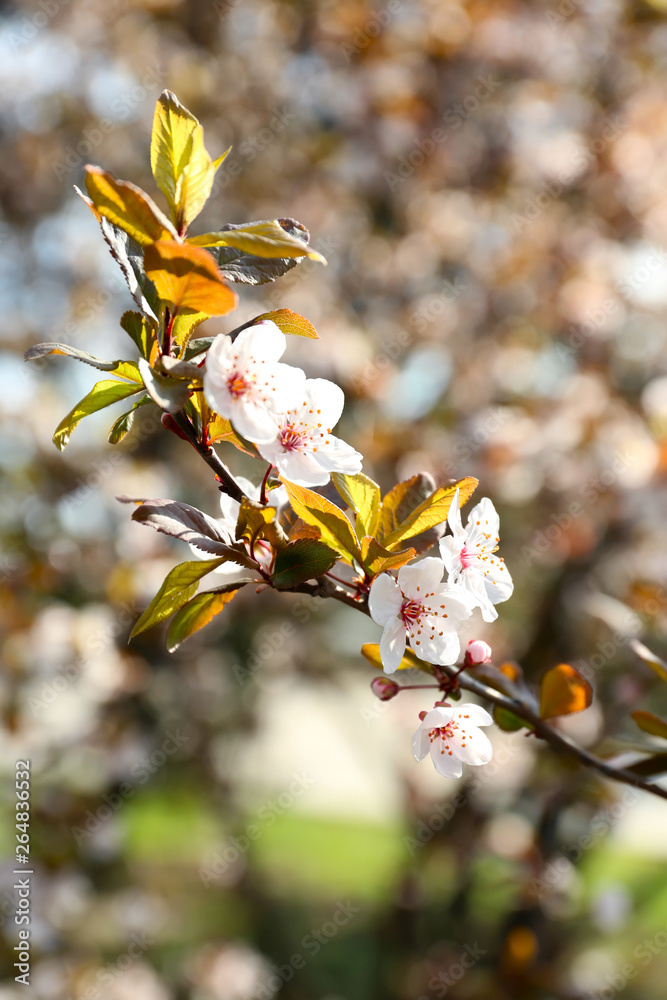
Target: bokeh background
489, 184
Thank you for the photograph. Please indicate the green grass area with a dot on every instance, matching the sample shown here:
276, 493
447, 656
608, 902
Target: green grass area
317, 856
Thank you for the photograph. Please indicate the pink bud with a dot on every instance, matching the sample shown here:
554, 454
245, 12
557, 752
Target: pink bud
422, 716
383, 688
476, 653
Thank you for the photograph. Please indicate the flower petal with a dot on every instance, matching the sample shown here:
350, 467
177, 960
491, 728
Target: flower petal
263, 341
421, 578
431, 646
473, 715
438, 717
338, 456
253, 420
447, 764
497, 580
477, 749
385, 599
421, 743
327, 397
450, 553
454, 518
297, 466
487, 516
392, 645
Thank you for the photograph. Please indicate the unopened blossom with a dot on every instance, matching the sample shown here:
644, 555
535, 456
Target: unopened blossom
245, 383
453, 738
418, 607
230, 508
477, 652
303, 448
468, 555
384, 689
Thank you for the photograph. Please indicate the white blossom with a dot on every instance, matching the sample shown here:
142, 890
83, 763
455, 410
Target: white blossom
453, 737
420, 607
468, 556
303, 449
245, 383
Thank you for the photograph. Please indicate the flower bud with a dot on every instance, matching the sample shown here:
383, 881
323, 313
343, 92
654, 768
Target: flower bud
383, 688
476, 653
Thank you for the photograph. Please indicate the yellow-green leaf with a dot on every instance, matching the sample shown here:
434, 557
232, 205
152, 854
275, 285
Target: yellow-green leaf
431, 512
650, 723
141, 332
221, 430
255, 522
121, 427
371, 650
363, 496
171, 144
179, 585
128, 207
195, 183
199, 612
563, 691
124, 369
262, 239
376, 559
187, 279
101, 395
290, 323
184, 326
334, 526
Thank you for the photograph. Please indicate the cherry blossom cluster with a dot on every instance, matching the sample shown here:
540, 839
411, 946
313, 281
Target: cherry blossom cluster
288, 417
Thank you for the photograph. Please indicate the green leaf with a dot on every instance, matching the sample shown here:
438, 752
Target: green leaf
401, 500
199, 612
376, 559
650, 723
334, 526
170, 394
266, 238
101, 395
179, 585
290, 323
256, 521
122, 426
124, 369
141, 332
432, 512
363, 496
299, 561
563, 691
371, 651
507, 721
184, 326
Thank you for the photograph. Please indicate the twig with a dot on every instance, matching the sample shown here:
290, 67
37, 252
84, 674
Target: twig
228, 484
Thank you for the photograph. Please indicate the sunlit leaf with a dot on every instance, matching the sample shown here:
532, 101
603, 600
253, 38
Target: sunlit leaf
195, 183
199, 612
371, 650
432, 512
179, 585
650, 723
266, 238
129, 256
171, 145
221, 431
363, 496
290, 323
101, 395
563, 691
401, 500
121, 427
184, 326
256, 522
127, 206
300, 561
376, 559
334, 526
187, 279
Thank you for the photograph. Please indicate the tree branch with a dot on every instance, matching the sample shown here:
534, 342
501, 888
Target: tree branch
228, 483
558, 741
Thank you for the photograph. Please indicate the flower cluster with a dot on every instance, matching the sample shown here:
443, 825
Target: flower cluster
274, 406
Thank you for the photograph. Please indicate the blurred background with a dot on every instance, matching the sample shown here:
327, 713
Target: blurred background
243, 819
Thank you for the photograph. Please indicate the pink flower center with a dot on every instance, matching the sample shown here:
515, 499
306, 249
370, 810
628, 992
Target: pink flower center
410, 612
466, 558
237, 385
442, 732
290, 439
